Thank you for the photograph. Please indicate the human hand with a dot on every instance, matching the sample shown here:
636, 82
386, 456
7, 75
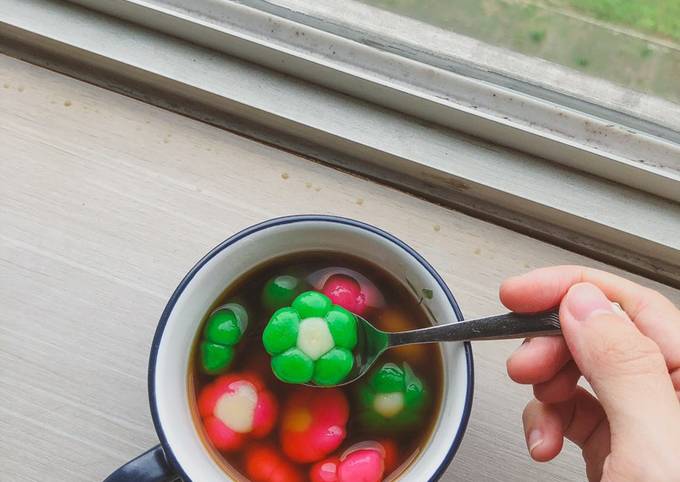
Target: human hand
629, 431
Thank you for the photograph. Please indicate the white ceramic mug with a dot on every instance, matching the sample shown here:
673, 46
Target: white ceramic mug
182, 453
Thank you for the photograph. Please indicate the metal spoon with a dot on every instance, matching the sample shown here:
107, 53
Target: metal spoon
371, 342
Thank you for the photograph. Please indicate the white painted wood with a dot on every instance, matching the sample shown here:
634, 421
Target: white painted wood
320, 54
105, 203
573, 209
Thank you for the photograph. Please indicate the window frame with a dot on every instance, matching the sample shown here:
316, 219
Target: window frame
601, 141
425, 43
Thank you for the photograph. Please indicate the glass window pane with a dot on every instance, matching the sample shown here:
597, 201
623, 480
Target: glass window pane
634, 43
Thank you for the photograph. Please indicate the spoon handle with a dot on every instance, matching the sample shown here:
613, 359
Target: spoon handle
499, 327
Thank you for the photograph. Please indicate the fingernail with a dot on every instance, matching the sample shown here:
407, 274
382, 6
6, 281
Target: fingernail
534, 440
585, 299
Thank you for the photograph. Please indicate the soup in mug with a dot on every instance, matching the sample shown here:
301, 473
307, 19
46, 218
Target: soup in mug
288, 324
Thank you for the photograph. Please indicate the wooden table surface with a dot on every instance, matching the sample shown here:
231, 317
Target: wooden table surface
105, 203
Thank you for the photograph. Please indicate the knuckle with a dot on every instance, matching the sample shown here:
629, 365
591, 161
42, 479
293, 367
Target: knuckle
637, 355
646, 298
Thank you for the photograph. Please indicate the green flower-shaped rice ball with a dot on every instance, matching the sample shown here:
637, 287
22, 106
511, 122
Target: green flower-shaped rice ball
393, 397
223, 330
311, 340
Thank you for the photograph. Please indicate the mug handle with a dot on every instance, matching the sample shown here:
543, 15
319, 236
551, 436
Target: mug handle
151, 466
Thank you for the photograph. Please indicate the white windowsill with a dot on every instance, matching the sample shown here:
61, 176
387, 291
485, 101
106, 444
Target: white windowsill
589, 214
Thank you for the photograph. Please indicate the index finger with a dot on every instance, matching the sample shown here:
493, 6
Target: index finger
653, 314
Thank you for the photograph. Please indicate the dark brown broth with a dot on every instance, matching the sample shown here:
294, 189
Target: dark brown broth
251, 356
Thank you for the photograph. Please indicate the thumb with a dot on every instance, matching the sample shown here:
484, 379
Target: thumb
625, 368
